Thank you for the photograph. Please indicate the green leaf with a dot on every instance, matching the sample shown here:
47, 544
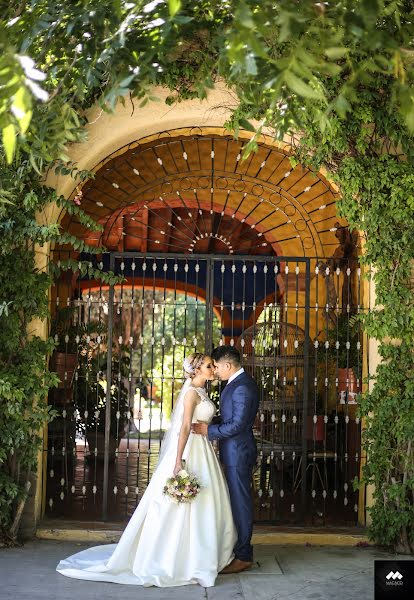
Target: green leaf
245, 124
342, 105
174, 6
182, 20
251, 67
244, 16
9, 141
409, 120
301, 88
126, 81
335, 53
21, 108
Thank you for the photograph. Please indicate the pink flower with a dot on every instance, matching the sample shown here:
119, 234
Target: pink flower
77, 199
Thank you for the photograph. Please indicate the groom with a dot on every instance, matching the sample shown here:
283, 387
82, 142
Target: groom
239, 403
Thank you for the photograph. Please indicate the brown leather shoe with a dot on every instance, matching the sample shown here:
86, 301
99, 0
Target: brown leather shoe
236, 566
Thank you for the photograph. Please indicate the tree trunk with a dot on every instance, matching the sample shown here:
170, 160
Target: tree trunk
19, 512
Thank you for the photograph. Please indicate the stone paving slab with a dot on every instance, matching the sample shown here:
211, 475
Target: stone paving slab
280, 573
266, 562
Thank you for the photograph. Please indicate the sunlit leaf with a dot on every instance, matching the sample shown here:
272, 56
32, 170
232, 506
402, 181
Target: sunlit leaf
335, 53
9, 141
244, 16
174, 6
21, 108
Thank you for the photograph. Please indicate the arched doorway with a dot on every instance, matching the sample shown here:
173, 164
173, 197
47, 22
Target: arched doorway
205, 243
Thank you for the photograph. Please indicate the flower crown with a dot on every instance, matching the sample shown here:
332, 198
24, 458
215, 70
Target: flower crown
189, 367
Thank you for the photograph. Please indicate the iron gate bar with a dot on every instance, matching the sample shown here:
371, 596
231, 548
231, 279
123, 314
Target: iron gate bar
130, 387
305, 388
108, 394
209, 306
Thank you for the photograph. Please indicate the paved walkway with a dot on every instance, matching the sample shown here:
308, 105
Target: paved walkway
281, 573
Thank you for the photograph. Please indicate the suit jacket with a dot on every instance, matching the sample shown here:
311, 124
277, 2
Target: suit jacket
239, 403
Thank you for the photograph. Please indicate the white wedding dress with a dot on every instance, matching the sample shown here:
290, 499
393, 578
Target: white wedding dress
167, 544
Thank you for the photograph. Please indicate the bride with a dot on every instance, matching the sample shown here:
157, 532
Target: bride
167, 544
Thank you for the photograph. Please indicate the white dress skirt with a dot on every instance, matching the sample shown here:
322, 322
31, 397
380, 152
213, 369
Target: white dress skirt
167, 544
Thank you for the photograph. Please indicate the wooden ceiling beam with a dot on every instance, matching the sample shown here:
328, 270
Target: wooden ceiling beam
145, 221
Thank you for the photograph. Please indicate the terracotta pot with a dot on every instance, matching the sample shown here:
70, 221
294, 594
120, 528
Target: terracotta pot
64, 363
315, 431
154, 391
348, 387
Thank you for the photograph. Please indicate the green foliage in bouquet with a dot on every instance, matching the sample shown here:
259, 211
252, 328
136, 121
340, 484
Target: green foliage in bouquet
182, 488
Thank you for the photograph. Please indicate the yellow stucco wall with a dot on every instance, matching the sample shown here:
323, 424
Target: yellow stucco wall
41, 329
373, 360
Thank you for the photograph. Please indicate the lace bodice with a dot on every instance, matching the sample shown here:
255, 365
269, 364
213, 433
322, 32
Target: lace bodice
204, 411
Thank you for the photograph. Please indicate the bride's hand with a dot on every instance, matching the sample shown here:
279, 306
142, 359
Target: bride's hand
178, 467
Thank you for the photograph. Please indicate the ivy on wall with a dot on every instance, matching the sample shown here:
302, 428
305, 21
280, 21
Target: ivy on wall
24, 376
378, 199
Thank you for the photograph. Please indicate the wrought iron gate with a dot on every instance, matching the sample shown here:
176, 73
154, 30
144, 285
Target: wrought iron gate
123, 348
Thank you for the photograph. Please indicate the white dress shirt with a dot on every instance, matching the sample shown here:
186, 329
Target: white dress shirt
236, 374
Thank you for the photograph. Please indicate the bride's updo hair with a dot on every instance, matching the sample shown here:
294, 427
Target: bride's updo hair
192, 363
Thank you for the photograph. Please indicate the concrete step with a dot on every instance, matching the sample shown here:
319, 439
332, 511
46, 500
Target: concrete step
99, 531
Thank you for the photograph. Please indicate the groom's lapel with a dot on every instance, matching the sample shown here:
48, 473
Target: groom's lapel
224, 394
229, 386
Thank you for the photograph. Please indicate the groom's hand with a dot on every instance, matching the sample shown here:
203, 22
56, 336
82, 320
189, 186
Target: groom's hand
200, 428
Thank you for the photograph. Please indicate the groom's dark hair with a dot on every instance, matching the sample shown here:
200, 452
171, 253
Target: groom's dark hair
228, 353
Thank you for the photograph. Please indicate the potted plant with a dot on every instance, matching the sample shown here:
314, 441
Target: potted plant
344, 352
90, 401
73, 342
148, 391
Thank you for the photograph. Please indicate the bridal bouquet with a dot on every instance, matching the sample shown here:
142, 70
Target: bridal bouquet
184, 487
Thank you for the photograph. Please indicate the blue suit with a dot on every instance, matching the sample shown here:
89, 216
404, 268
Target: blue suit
239, 403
